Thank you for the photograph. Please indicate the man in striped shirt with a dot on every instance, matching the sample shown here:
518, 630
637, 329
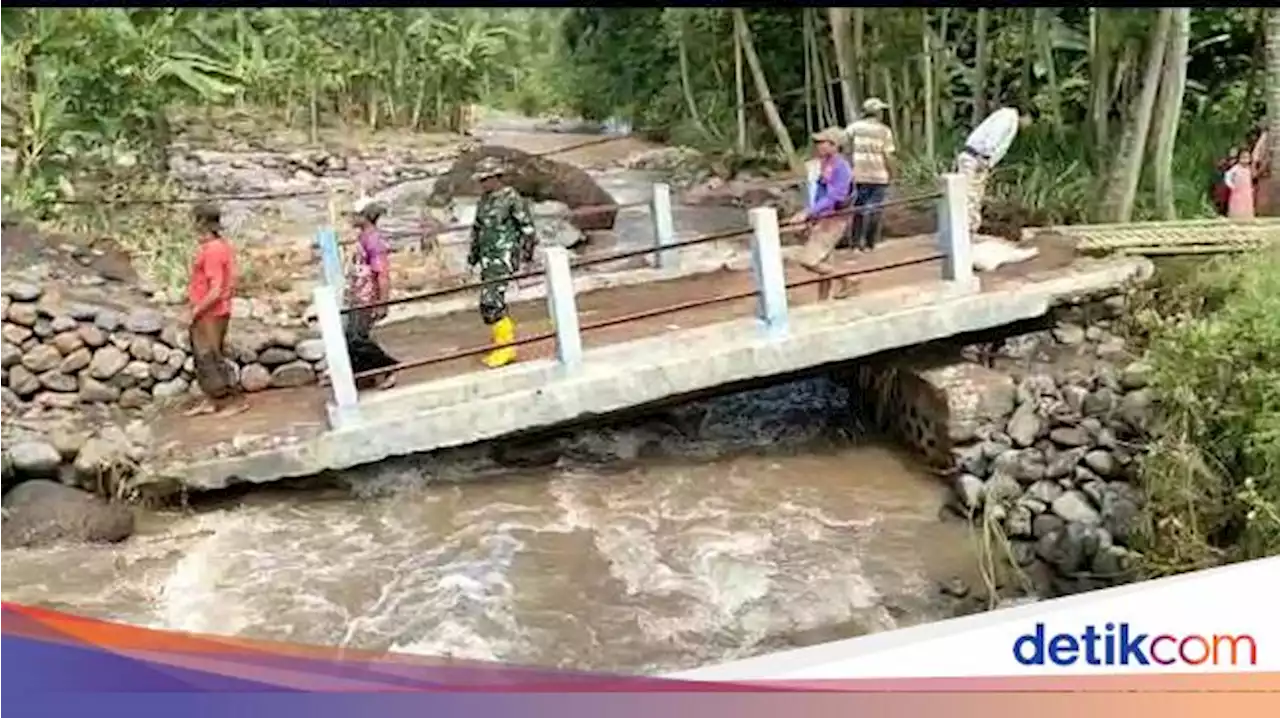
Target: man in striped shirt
873, 149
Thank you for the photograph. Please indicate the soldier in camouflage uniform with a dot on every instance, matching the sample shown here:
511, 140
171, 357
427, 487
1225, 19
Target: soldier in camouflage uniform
502, 238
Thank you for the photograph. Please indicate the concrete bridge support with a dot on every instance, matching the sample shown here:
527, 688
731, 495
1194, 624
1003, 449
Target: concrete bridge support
932, 403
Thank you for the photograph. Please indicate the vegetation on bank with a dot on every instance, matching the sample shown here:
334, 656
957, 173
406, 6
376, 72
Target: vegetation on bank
1212, 472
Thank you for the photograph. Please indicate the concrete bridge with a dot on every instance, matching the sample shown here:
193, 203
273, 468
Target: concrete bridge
588, 354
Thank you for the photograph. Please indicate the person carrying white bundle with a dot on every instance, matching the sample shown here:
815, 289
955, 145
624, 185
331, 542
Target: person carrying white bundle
982, 151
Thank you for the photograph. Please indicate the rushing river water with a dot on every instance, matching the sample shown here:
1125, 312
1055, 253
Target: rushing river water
717, 530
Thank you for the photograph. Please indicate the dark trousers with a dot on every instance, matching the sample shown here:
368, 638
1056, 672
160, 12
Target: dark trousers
865, 228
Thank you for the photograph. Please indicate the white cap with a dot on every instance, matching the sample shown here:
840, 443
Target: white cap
874, 104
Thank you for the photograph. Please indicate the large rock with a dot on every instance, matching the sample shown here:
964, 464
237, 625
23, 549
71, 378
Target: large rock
75, 361
22, 382
170, 389
92, 336
15, 334
311, 350
1025, 425
144, 321
296, 373
53, 380
275, 356
101, 455
107, 362
34, 458
1074, 507
22, 291
255, 377
11, 355
68, 341
540, 179
93, 391
176, 335
108, 320
41, 512
42, 359
23, 314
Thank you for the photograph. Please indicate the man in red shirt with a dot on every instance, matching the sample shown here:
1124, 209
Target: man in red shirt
209, 293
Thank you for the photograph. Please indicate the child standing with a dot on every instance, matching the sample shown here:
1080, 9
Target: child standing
1239, 179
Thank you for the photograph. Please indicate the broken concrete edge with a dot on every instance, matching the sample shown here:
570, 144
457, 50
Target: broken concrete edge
415, 419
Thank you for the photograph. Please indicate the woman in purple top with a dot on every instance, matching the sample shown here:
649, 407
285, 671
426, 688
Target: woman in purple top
825, 217
368, 281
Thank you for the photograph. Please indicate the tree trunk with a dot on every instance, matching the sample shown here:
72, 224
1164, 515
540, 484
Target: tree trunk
930, 111
740, 87
838, 18
806, 37
1122, 185
980, 62
1272, 185
1099, 86
686, 87
1028, 71
1044, 48
762, 89
859, 27
1173, 86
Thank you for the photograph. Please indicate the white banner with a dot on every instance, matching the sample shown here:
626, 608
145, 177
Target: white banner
1222, 620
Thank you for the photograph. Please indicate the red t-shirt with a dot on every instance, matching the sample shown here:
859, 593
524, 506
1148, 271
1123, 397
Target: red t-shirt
214, 263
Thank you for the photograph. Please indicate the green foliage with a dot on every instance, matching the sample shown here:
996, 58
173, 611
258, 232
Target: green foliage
1213, 472
88, 89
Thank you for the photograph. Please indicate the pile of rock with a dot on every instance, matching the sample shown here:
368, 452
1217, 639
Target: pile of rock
54, 483
61, 356
1057, 474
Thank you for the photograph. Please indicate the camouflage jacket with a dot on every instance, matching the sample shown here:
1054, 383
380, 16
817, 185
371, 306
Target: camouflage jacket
503, 229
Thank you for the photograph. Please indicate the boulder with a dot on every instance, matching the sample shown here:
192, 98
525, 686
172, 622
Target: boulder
23, 314
22, 291
75, 361
11, 355
311, 350
15, 334
91, 335
22, 382
539, 179
68, 341
1025, 425
170, 388
42, 512
93, 391
108, 320
42, 358
255, 377
297, 373
34, 459
275, 356
144, 321
107, 362
55, 381
1075, 507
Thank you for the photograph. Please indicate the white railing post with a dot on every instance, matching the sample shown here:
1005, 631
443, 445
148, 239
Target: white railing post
664, 225
344, 406
563, 306
813, 171
953, 230
767, 268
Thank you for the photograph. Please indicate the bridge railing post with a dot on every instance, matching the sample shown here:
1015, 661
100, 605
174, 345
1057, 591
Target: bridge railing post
664, 226
813, 171
330, 259
562, 304
767, 269
345, 400
954, 236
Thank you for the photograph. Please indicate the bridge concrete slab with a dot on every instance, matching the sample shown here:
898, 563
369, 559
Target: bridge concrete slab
537, 394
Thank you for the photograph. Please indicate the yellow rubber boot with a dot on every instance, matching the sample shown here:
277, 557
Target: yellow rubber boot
504, 332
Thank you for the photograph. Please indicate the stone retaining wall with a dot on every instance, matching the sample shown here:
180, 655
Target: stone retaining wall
62, 356
1044, 444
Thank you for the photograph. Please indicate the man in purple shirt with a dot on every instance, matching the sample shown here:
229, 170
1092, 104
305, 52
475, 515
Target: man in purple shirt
825, 218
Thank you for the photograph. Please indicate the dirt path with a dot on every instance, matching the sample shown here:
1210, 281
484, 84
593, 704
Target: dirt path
301, 410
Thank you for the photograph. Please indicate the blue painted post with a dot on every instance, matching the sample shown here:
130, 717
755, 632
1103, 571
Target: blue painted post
563, 306
330, 258
766, 266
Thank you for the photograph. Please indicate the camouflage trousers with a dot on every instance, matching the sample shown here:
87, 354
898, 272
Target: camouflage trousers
493, 297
